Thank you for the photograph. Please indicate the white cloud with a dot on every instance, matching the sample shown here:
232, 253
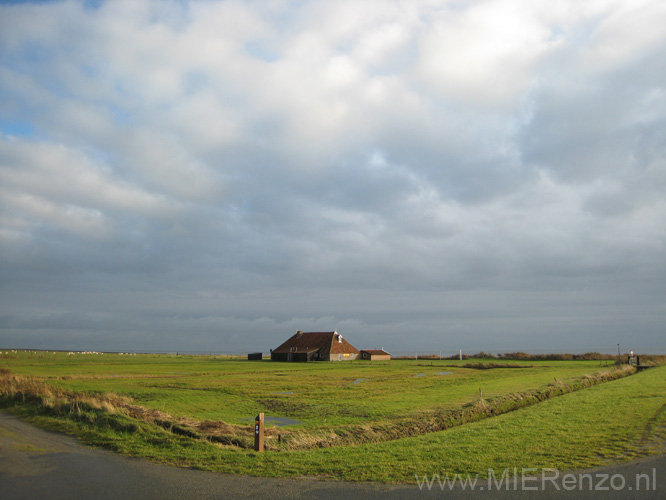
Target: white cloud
625, 31
484, 53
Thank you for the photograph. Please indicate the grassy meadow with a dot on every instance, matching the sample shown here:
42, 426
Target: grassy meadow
380, 421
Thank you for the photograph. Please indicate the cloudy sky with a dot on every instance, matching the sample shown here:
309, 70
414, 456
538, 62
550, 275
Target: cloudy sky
419, 174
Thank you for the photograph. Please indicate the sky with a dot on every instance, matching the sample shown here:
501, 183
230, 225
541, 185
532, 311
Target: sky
419, 175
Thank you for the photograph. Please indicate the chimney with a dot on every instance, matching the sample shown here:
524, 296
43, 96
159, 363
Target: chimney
299, 333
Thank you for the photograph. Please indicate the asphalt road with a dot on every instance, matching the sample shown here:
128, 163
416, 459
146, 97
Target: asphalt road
37, 464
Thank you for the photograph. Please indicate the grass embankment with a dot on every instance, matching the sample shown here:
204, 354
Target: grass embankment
615, 421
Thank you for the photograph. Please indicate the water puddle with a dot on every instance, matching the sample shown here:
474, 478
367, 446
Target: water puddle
359, 380
278, 421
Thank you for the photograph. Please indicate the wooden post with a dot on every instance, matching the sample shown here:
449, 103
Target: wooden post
259, 433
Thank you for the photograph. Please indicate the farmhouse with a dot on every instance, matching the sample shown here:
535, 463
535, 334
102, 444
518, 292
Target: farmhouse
315, 346
375, 355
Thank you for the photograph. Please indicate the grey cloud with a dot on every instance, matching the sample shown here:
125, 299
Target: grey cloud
213, 175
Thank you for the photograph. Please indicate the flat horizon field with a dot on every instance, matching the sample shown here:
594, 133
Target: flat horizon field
314, 394
344, 414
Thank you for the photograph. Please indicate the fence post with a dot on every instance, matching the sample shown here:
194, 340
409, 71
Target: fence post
259, 433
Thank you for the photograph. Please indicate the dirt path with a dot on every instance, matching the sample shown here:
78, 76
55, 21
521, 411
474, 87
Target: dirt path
36, 464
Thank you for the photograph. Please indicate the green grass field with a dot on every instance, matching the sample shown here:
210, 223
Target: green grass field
611, 421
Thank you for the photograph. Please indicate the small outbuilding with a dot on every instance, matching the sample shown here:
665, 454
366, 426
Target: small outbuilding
375, 355
255, 356
315, 346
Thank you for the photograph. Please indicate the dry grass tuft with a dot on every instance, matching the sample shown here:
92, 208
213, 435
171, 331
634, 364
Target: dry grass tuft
56, 400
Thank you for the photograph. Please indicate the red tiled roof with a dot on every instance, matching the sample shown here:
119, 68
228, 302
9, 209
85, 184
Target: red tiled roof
327, 342
342, 347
